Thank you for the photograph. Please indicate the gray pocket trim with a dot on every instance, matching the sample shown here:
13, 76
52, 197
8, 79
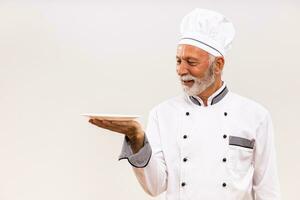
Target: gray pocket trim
242, 142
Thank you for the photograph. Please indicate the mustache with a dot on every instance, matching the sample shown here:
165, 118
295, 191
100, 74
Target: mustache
188, 77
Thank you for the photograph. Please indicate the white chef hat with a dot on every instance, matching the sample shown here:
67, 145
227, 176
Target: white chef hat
207, 30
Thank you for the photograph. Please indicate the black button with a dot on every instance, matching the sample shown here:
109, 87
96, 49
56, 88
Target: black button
185, 159
187, 113
183, 184
225, 113
185, 136
224, 160
224, 136
224, 184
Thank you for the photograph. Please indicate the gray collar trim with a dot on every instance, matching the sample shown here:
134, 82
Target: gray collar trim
215, 100
195, 101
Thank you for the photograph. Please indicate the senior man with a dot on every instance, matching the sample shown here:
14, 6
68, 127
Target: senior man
208, 143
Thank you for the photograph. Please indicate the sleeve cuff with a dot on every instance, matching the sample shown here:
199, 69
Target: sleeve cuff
139, 159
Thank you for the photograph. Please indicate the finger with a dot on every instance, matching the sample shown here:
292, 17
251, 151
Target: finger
99, 123
96, 123
91, 120
108, 125
125, 127
116, 127
122, 123
129, 123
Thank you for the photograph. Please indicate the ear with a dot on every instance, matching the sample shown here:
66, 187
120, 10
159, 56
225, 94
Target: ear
219, 64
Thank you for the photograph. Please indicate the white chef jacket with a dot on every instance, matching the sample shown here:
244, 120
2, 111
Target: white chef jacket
223, 151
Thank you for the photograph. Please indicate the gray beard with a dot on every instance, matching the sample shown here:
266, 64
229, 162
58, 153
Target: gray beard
200, 84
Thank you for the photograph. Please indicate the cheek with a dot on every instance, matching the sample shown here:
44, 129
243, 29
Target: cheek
197, 73
200, 71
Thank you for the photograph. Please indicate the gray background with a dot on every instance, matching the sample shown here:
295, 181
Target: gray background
60, 59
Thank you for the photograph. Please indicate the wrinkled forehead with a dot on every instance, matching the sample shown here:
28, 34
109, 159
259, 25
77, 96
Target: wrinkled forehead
185, 50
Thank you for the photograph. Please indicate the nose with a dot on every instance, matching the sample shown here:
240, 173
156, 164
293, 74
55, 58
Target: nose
181, 69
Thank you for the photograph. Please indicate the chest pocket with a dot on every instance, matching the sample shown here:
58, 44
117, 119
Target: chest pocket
240, 153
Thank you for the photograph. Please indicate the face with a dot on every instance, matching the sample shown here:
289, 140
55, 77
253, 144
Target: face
194, 68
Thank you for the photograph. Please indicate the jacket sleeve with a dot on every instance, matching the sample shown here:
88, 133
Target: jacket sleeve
148, 163
265, 179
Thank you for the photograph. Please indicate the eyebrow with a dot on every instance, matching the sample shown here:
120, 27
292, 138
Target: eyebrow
188, 58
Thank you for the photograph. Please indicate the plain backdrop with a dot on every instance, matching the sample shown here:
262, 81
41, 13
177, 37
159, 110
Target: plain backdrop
59, 59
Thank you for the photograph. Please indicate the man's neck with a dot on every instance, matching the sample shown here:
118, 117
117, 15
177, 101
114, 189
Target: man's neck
210, 90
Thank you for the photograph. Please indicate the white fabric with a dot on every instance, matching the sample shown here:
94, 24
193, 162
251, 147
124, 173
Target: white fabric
208, 30
247, 172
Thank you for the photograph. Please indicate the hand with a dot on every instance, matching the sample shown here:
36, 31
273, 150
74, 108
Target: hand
132, 129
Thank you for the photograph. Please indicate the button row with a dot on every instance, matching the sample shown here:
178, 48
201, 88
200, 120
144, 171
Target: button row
184, 184
185, 136
187, 113
224, 159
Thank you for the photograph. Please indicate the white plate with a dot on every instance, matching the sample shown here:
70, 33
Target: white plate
115, 117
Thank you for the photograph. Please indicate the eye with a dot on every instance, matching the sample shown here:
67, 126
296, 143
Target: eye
178, 62
192, 63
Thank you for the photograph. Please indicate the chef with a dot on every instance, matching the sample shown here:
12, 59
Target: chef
209, 143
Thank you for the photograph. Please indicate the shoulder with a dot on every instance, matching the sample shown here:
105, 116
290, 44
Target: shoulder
248, 106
